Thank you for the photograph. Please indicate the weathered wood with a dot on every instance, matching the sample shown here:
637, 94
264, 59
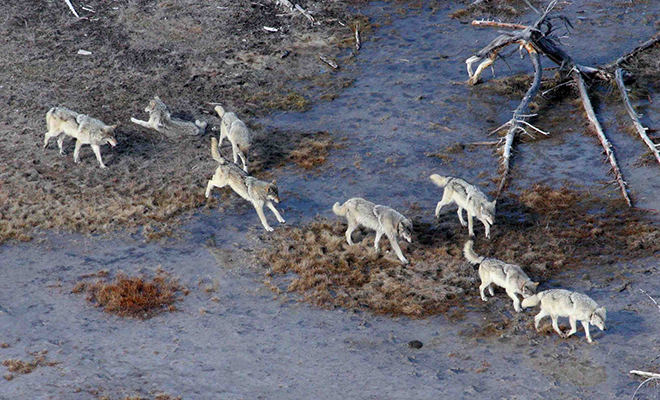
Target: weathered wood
73, 10
645, 374
591, 115
641, 130
358, 43
328, 61
496, 24
519, 117
649, 43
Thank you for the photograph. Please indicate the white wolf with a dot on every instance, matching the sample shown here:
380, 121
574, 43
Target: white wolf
564, 303
62, 122
493, 271
162, 121
468, 197
257, 192
238, 134
382, 219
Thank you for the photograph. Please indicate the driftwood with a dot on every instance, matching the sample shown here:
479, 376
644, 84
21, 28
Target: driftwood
538, 39
641, 130
591, 115
645, 374
328, 61
358, 43
73, 10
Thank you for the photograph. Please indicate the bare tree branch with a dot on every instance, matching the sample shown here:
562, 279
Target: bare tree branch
591, 115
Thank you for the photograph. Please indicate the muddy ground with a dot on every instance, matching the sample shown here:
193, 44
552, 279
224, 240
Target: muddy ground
235, 335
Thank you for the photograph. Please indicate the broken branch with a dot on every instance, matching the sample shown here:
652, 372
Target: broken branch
591, 115
73, 10
519, 116
328, 61
645, 374
641, 130
497, 24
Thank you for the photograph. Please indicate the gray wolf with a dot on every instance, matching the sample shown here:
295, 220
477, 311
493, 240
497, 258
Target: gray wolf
468, 197
62, 122
257, 192
382, 219
564, 303
238, 134
496, 272
162, 121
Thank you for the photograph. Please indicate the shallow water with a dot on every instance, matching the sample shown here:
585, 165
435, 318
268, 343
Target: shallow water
409, 99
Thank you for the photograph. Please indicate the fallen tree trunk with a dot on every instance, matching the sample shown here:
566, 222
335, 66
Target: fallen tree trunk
591, 115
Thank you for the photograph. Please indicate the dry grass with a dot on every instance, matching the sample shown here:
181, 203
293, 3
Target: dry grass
311, 153
172, 51
306, 150
138, 297
543, 229
488, 9
25, 367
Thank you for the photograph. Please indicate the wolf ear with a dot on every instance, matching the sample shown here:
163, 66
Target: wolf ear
114, 126
536, 283
495, 202
274, 182
156, 97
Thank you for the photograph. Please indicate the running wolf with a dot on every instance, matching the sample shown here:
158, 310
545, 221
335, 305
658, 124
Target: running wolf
161, 120
493, 271
238, 134
257, 192
382, 219
564, 303
62, 122
468, 197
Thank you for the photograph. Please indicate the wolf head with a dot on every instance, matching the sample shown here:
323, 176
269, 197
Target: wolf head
598, 318
155, 104
487, 211
405, 229
272, 193
108, 135
528, 288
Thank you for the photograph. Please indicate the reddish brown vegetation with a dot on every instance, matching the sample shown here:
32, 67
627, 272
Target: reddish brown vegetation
138, 297
544, 230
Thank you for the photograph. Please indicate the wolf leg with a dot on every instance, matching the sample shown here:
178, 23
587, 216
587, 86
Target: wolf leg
97, 151
144, 124
460, 216
277, 213
487, 226
573, 322
539, 317
76, 151
555, 325
243, 159
470, 224
484, 284
50, 134
585, 325
516, 300
209, 187
234, 150
349, 231
397, 249
379, 234
60, 142
446, 199
259, 206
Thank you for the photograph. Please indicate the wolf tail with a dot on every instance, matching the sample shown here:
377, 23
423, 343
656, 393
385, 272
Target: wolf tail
215, 153
440, 180
532, 301
339, 209
49, 115
469, 253
201, 125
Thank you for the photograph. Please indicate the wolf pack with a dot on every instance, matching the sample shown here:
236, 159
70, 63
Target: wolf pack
63, 122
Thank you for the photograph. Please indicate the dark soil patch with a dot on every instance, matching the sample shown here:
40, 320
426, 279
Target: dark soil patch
542, 229
138, 297
186, 51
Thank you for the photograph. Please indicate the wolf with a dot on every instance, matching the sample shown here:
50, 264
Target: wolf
257, 192
382, 219
63, 122
564, 303
468, 197
162, 121
509, 276
238, 134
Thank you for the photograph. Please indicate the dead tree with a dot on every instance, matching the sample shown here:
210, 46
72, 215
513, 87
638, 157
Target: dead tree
536, 40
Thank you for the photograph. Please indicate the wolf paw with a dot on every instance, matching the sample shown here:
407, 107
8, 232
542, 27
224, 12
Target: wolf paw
464, 223
268, 229
282, 221
484, 298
